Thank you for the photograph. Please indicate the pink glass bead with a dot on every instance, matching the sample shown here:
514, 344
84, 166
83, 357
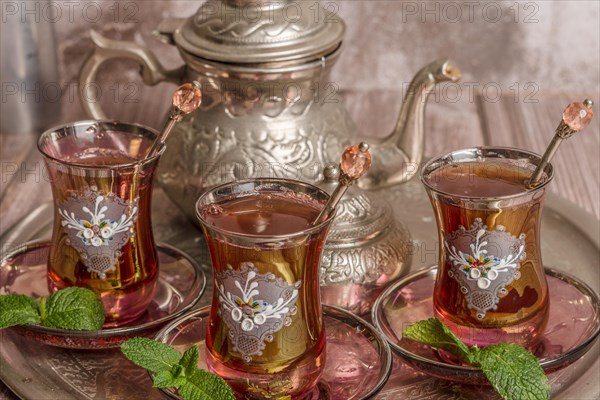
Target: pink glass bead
187, 98
355, 161
577, 116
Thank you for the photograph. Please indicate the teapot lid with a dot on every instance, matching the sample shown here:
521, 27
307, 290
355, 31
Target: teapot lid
260, 31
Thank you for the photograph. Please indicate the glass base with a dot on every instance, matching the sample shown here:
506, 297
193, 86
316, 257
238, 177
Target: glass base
121, 307
297, 382
527, 333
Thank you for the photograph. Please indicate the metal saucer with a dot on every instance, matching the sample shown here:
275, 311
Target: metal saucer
181, 284
359, 360
573, 324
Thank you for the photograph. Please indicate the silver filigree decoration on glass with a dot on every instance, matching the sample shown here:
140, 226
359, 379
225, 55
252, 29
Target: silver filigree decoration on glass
98, 226
484, 263
254, 306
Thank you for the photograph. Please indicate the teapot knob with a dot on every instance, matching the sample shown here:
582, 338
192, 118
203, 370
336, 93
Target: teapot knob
331, 173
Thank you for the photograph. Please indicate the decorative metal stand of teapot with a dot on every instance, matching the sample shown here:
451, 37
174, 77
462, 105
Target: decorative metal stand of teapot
263, 67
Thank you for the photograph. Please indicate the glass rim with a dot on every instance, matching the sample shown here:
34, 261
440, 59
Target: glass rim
548, 170
304, 232
131, 164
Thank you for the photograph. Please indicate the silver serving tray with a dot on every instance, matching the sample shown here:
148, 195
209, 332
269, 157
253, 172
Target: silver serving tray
570, 242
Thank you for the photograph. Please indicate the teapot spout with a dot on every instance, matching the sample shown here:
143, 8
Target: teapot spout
397, 158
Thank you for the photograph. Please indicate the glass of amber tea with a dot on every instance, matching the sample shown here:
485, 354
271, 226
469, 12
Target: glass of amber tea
102, 237
490, 286
265, 334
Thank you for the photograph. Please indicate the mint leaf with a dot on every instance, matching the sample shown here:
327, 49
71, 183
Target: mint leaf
203, 385
167, 379
513, 372
189, 361
74, 308
434, 333
71, 308
150, 354
172, 370
18, 309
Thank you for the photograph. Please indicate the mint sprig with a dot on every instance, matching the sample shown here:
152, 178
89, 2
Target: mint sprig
73, 308
18, 309
171, 369
434, 333
203, 385
512, 370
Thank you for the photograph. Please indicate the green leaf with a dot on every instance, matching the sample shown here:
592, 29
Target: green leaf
203, 385
74, 308
18, 309
434, 333
166, 379
150, 354
513, 372
171, 369
189, 361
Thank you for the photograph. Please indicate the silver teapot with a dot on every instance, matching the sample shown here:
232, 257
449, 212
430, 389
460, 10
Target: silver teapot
263, 67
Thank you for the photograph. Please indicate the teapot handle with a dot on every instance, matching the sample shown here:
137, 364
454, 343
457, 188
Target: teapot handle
105, 49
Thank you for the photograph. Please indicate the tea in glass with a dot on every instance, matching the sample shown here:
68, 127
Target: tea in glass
265, 335
490, 286
102, 237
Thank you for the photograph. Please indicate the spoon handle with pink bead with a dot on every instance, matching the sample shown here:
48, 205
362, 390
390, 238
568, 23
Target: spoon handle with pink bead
354, 163
187, 98
576, 117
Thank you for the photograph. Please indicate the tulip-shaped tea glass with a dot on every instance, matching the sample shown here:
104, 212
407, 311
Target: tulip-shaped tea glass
265, 335
490, 285
102, 237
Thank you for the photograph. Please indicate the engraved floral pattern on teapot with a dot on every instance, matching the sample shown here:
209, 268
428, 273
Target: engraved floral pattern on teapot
268, 107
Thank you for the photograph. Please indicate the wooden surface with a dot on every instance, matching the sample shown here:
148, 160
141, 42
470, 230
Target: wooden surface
467, 122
